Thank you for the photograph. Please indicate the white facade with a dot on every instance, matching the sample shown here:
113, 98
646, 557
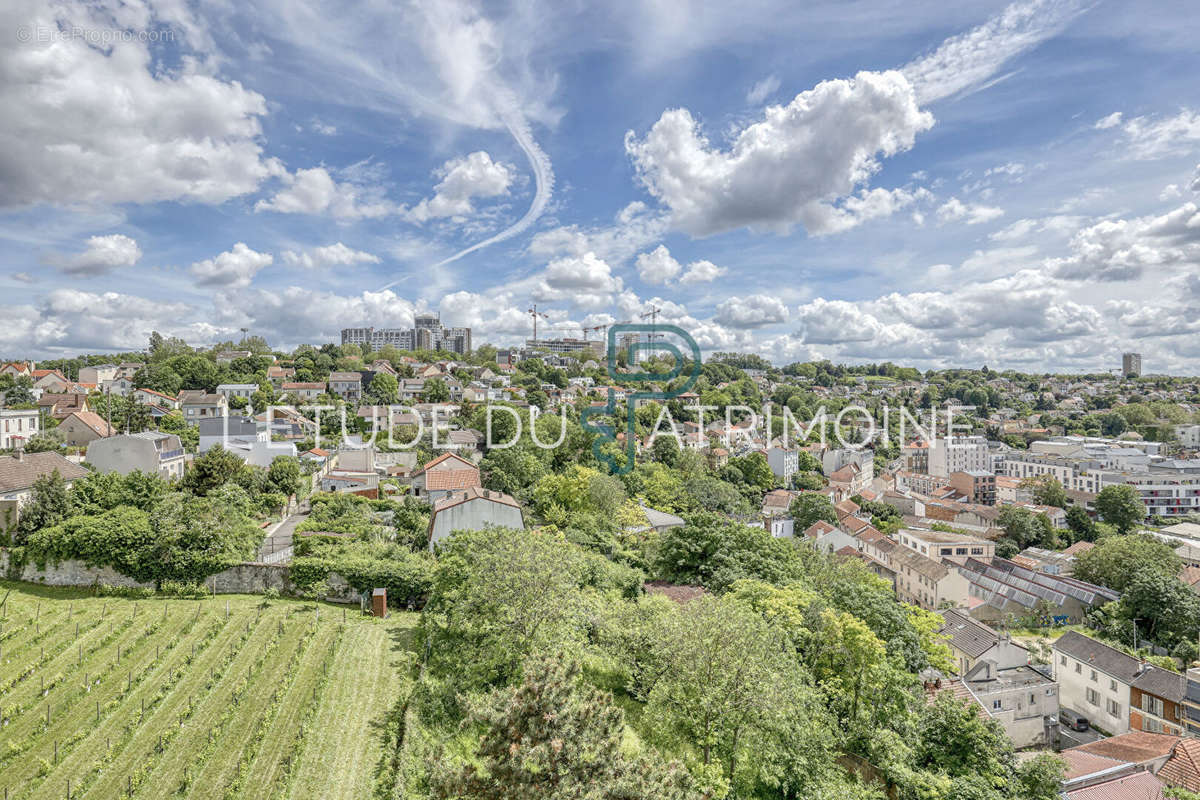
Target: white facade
16, 427
960, 454
784, 462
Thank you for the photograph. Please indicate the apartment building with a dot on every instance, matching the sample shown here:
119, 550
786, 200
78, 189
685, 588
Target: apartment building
427, 333
978, 486
959, 454
943, 545
151, 452
16, 427
1023, 700
926, 582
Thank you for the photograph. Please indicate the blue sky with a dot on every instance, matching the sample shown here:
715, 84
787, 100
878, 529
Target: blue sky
1004, 184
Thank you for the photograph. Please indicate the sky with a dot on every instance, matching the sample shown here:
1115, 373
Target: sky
933, 184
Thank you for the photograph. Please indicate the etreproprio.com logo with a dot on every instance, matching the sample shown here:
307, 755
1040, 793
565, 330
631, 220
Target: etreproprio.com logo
654, 343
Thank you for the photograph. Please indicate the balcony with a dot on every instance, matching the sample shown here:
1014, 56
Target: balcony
167, 455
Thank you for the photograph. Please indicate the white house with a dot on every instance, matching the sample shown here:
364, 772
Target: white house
472, 510
152, 452
16, 427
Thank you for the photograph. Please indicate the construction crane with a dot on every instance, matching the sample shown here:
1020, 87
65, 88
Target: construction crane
533, 312
602, 328
653, 315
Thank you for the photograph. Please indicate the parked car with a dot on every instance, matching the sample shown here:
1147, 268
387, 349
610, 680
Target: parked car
1073, 720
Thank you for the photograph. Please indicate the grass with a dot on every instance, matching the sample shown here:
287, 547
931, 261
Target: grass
219, 698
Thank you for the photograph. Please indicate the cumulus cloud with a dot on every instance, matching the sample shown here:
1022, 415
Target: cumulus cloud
634, 227
1123, 249
462, 180
316, 191
795, 166
702, 272
1150, 137
762, 90
70, 318
954, 210
23, 277
103, 254
334, 255
658, 266
106, 125
753, 311
585, 281
233, 269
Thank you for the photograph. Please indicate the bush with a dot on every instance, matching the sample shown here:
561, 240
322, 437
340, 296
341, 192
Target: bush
128, 592
185, 589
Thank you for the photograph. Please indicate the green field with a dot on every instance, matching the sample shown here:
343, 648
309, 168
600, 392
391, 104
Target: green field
226, 697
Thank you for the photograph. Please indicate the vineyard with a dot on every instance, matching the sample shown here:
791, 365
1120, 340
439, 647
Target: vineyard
224, 697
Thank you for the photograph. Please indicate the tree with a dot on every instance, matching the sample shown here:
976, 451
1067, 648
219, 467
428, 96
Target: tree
1083, 528
811, 507
953, 738
212, 469
1121, 506
283, 476
666, 450
50, 440
18, 395
1040, 778
383, 389
1025, 528
713, 551
50, 504
1047, 491
552, 739
1115, 560
435, 391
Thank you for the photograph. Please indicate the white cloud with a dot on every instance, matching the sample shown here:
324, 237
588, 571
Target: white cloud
1158, 137
334, 255
233, 269
463, 180
315, 191
792, 167
78, 320
585, 281
23, 277
1195, 184
954, 210
702, 272
754, 311
1111, 121
105, 125
762, 90
634, 227
658, 266
1123, 249
102, 255
972, 58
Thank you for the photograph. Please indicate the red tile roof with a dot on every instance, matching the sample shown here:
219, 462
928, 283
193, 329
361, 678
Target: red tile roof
1135, 746
1079, 548
442, 459
1183, 767
441, 480
1080, 764
1138, 786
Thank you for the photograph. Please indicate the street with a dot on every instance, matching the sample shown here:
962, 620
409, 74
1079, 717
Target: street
277, 546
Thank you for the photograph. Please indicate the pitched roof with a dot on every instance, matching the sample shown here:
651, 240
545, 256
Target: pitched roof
1190, 575
1081, 763
846, 508
967, 635
1079, 548
92, 420
1183, 767
818, 528
1101, 656
1162, 683
778, 498
473, 493
20, 474
1138, 786
444, 457
1135, 747
441, 480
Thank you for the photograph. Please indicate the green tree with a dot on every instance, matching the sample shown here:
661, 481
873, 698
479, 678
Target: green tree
811, 507
665, 450
713, 551
1047, 491
49, 504
384, 389
212, 469
47, 441
283, 476
550, 738
1082, 527
435, 391
1115, 560
1121, 506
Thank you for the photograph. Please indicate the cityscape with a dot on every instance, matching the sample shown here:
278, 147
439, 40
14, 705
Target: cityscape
642, 401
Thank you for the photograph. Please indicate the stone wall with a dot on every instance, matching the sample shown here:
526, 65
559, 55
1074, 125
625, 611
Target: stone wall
240, 579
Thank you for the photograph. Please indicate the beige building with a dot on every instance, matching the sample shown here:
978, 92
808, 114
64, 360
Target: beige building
925, 582
83, 427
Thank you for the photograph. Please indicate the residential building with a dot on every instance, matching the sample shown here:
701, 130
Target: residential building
364, 484
1188, 435
471, 510
444, 475
50, 380
925, 582
1023, 700
242, 390
971, 642
427, 333
278, 375
938, 545
346, 385
246, 438
18, 369
959, 454
305, 391
784, 462
590, 349
155, 398
152, 452
1131, 364
60, 406
978, 486
98, 374
198, 405
1115, 691
82, 427
16, 427
19, 472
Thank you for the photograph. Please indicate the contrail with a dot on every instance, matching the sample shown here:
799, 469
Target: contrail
543, 175
970, 58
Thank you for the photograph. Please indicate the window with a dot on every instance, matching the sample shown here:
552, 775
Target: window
995, 705
1093, 697
976, 551
1112, 685
1062, 660
1078, 668
1150, 725
1114, 708
1152, 705
1093, 676
1032, 699
962, 551
947, 551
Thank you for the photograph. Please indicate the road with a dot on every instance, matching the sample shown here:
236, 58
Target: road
277, 547
1070, 738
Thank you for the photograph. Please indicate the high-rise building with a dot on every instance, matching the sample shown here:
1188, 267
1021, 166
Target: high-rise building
1131, 364
587, 349
427, 333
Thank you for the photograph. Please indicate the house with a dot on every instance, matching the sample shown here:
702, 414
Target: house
925, 582
1020, 698
199, 405
122, 386
17, 427
1117, 692
152, 397
17, 369
19, 472
971, 642
50, 380
657, 521
445, 474
152, 452
364, 484
777, 502
82, 427
60, 406
304, 391
1131, 766
278, 375
956, 547
471, 510
828, 538
784, 462
98, 374
346, 385
242, 390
